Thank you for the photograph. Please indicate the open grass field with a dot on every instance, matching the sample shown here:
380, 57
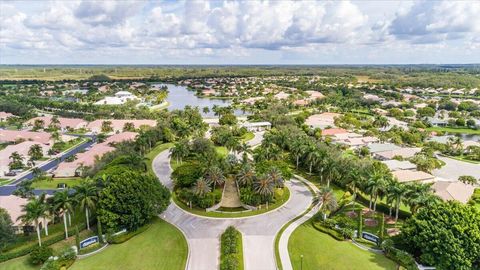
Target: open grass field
53, 183
455, 130
321, 251
162, 246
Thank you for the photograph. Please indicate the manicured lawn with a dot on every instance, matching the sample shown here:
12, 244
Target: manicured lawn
52, 183
155, 151
18, 264
455, 130
464, 159
162, 246
321, 251
4, 181
282, 196
248, 136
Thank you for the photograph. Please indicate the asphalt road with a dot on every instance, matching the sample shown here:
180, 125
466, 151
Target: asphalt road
455, 168
258, 232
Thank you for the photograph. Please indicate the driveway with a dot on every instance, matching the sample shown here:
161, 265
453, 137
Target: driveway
455, 168
258, 232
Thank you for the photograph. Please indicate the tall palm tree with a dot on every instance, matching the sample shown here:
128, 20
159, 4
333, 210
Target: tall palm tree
47, 210
327, 199
374, 185
86, 195
180, 150
201, 187
275, 176
64, 202
264, 186
33, 212
246, 175
419, 195
313, 157
245, 149
298, 149
215, 175
397, 190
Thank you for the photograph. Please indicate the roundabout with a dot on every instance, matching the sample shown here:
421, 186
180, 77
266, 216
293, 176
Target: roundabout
258, 231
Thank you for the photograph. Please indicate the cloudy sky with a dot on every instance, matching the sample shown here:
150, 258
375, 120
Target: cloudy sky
239, 32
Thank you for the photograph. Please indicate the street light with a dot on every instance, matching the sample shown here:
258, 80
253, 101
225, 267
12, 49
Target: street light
301, 262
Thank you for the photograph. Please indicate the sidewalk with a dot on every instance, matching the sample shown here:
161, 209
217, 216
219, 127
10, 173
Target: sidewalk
283, 243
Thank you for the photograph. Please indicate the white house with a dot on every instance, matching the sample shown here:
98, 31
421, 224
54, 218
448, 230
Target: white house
120, 98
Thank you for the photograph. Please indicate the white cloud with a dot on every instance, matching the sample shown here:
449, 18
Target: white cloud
256, 30
437, 21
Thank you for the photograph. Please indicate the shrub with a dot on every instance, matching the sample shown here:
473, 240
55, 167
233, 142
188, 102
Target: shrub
120, 238
333, 233
229, 242
40, 255
5, 256
401, 257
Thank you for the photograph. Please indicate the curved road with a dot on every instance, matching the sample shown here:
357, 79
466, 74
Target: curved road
258, 232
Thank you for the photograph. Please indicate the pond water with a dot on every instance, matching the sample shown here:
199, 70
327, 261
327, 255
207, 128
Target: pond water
467, 137
179, 97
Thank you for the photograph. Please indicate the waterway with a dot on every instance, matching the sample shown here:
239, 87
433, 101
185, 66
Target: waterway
179, 97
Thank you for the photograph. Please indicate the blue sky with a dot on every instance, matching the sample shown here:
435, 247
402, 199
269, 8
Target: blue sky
239, 32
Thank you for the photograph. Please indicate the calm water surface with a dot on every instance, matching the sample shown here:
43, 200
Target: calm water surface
179, 97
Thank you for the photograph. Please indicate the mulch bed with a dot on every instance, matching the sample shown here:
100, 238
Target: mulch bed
370, 222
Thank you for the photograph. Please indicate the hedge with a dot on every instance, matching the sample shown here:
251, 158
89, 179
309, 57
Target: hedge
399, 256
230, 249
333, 233
26, 250
120, 238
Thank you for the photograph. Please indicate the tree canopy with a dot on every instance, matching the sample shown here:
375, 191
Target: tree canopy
445, 235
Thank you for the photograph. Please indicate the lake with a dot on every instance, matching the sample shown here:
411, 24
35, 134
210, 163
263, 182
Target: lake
179, 97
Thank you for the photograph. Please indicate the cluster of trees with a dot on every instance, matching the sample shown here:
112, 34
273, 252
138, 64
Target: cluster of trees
445, 235
367, 176
202, 171
120, 196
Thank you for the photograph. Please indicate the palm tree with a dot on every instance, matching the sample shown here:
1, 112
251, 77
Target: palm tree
201, 187
419, 195
328, 201
180, 150
298, 149
232, 144
264, 186
33, 212
245, 149
64, 203
215, 175
397, 191
246, 175
17, 161
374, 185
275, 176
86, 195
313, 157
47, 210
35, 152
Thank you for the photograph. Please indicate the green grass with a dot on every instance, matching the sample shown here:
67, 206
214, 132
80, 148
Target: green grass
162, 246
52, 183
20, 263
248, 136
72, 143
464, 159
282, 196
5, 181
155, 151
321, 251
455, 130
